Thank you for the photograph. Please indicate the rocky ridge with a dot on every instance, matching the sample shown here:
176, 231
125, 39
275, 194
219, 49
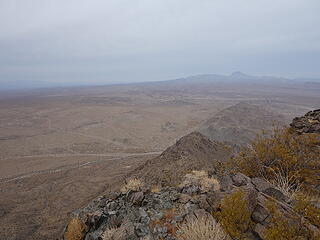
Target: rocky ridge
191, 152
144, 214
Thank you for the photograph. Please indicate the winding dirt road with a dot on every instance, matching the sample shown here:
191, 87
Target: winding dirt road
111, 157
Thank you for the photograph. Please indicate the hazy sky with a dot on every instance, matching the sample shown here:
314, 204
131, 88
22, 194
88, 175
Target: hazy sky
101, 41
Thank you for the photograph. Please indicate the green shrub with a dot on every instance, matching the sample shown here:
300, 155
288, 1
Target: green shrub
283, 227
282, 156
304, 205
235, 216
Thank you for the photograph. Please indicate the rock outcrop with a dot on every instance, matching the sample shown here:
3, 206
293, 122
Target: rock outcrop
309, 123
144, 214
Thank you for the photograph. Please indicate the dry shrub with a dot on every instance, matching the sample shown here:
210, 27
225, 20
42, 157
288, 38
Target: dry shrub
285, 185
284, 158
283, 227
132, 185
304, 204
76, 230
235, 216
203, 228
201, 179
155, 189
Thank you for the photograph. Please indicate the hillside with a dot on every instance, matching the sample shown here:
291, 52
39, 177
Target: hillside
240, 123
199, 204
191, 152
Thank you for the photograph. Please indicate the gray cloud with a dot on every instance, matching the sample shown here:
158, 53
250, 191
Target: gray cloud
102, 41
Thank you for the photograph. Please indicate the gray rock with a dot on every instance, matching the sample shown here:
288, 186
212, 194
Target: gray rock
184, 198
191, 189
204, 204
112, 212
112, 206
252, 195
240, 179
137, 198
259, 214
214, 199
226, 184
309, 123
190, 207
260, 230
260, 184
275, 193
142, 230
142, 212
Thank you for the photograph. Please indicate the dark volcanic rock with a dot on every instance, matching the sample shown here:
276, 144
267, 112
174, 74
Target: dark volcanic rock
309, 123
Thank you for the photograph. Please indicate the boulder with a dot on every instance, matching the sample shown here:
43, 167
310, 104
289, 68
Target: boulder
226, 183
137, 198
260, 184
309, 123
240, 179
259, 214
275, 193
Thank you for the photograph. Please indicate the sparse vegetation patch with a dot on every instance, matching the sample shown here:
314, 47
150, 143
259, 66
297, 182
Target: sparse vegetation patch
133, 185
203, 228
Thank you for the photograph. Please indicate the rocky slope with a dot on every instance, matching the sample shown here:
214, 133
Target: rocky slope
192, 152
240, 123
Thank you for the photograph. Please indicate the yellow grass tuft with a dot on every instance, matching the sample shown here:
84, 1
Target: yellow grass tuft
132, 185
203, 228
201, 179
155, 189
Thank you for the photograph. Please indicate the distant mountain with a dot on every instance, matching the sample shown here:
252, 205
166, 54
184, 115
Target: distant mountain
191, 152
240, 123
234, 77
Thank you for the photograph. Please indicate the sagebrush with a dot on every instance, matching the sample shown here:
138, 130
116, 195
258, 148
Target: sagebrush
202, 180
286, 159
202, 228
133, 185
235, 215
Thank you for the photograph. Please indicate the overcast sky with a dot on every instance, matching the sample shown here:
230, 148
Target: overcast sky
101, 41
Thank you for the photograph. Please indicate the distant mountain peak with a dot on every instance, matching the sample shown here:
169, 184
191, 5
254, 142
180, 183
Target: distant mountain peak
239, 74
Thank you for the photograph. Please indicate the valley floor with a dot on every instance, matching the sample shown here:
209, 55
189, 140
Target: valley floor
60, 148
